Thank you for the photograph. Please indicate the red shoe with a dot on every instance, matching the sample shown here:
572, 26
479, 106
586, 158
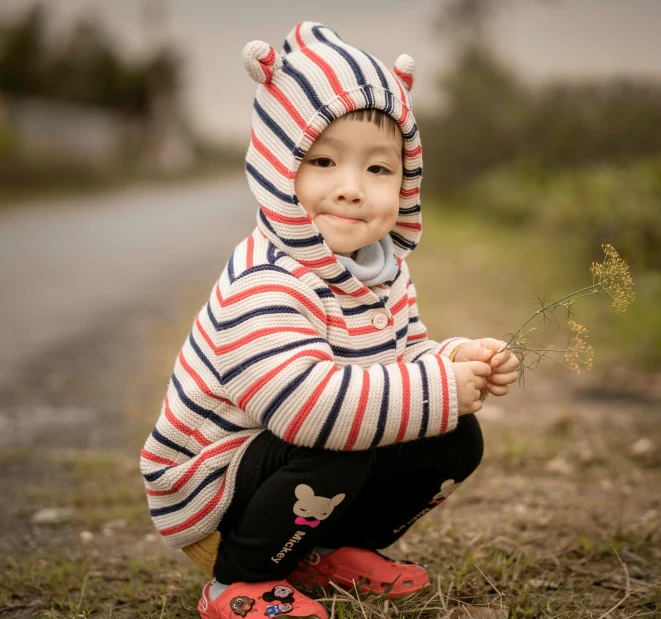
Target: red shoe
371, 571
270, 599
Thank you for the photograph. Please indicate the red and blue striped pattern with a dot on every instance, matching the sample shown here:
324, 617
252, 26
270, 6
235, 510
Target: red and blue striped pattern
322, 78
287, 340
275, 348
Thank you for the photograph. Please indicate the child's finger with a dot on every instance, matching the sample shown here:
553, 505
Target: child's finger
511, 364
503, 379
496, 389
505, 362
498, 359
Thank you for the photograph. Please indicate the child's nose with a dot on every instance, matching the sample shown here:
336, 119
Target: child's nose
349, 190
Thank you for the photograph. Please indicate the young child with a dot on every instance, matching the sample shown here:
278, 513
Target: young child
309, 421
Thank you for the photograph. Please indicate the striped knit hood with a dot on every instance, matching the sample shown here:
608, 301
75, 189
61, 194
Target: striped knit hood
316, 79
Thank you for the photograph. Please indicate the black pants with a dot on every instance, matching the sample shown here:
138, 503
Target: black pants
289, 499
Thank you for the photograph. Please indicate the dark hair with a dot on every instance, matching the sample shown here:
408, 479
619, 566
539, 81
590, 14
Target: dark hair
379, 118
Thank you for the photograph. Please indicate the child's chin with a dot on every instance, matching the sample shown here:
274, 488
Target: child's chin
340, 248
342, 251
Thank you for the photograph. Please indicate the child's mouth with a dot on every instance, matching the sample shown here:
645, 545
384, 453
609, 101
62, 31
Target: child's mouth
341, 219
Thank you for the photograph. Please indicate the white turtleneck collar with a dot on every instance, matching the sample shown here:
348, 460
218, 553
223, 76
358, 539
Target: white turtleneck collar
373, 264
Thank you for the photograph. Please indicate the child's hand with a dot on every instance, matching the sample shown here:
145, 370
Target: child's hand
471, 379
503, 364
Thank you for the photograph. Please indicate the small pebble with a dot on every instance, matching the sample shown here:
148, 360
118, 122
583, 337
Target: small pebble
53, 515
120, 523
642, 446
559, 465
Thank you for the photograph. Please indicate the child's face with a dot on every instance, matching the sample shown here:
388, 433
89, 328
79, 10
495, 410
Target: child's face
349, 183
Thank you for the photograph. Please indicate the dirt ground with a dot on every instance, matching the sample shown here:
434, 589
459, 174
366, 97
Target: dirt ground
561, 519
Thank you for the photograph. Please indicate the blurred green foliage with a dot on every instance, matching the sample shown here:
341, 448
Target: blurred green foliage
7, 142
604, 203
85, 68
490, 118
577, 158
576, 164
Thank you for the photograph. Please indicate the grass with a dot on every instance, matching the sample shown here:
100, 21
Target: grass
583, 577
512, 267
76, 584
562, 519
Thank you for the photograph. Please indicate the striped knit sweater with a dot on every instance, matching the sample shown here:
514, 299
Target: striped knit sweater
289, 340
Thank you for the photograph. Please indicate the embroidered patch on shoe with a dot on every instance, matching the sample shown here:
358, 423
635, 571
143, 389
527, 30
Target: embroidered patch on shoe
241, 604
278, 609
280, 594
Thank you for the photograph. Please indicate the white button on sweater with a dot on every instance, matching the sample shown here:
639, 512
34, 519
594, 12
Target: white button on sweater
380, 320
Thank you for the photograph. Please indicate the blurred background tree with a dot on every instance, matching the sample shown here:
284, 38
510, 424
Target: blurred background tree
76, 112
567, 157
579, 157
84, 68
21, 53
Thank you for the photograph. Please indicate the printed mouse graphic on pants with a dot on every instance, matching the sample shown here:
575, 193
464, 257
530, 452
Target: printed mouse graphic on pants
447, 488
311, 509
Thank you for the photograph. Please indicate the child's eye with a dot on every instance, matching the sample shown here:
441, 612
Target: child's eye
322, 162
376, 169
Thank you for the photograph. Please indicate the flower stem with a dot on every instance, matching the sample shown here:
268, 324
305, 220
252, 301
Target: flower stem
554, 303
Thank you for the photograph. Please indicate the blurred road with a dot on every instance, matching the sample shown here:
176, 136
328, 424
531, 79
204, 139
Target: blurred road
66, 266
82, 281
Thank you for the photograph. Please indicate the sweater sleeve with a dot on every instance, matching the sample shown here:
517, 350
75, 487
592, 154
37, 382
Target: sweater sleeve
275, 362
417, 343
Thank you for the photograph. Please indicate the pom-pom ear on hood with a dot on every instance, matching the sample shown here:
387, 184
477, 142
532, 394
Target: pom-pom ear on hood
318, 78
405, 70
260, 61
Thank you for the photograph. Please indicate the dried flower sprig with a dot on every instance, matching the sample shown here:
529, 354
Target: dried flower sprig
613, 277
610, 277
